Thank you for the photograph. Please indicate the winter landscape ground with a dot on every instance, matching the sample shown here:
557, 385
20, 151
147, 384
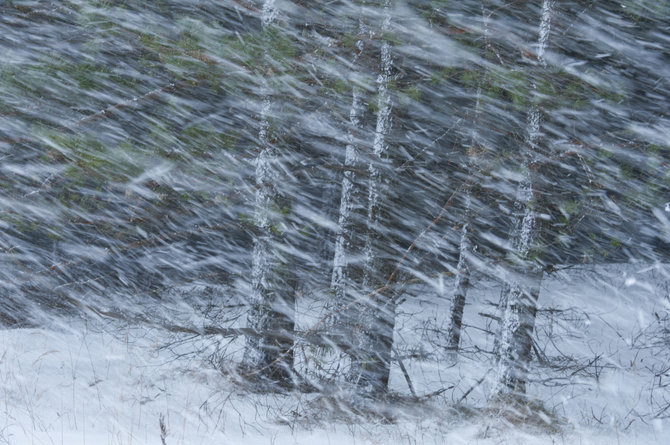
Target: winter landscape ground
96, 382
333, 222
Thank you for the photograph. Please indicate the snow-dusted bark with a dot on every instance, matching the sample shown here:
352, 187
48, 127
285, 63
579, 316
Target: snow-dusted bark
379, 148
519, 300
462, 274
372, 353
345, 219
345, 282
268, 356
461, 283
348, 200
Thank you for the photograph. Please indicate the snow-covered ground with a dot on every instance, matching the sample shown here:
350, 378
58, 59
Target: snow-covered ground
88, 383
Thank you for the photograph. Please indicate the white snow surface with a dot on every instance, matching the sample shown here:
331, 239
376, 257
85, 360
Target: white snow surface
89, 383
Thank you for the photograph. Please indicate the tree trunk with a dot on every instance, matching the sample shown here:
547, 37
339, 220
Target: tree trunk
371, 362
344, 292
268, 357
519, 300
461, 285
462, 281
516, 338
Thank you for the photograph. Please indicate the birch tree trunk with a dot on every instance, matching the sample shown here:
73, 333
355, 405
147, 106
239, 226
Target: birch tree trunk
519, 301
372, 353
268, 357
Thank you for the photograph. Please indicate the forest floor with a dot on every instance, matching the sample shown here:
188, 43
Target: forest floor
94, 383
94, 388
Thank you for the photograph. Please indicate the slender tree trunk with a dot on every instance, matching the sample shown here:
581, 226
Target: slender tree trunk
462, 281
519, 301
345, 242
373, 350
517, 335
269, 357
461, 284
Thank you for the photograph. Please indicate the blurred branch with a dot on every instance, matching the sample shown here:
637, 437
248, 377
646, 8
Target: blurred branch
430, 226
245, 5
59, 267
110, 110
406, 374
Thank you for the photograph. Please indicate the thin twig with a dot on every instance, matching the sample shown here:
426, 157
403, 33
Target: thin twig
110, 110
406, 374
477, 383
